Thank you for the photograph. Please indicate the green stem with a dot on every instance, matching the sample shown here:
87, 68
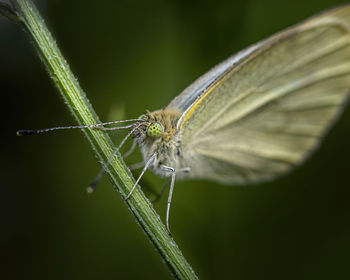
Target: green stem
82, 110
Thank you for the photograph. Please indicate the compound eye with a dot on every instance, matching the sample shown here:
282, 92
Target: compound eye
155, 130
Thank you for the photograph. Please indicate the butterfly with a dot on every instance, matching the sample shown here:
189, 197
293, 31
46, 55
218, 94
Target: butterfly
254, 116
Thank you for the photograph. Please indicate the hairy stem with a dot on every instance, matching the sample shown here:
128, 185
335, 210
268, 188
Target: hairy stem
79, 105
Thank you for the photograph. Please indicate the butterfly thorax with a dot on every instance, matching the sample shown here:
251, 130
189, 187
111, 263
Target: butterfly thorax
158, 134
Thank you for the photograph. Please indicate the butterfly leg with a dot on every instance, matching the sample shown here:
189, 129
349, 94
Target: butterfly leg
173, 173
93, 185
148, 163
172, 183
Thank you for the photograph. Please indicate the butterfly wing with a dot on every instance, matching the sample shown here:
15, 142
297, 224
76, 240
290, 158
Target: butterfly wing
199, 87
262, 112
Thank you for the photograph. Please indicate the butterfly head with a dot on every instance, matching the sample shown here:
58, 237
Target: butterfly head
157, 126
156, 130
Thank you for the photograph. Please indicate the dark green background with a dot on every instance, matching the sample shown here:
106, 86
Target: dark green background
130, 56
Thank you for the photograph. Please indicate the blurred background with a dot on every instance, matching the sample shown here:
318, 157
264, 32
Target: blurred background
130, 56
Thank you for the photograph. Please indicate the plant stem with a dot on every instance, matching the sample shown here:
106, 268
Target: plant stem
82, 110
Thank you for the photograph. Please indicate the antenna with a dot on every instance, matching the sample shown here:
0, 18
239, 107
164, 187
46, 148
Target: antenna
134, 126
24, 132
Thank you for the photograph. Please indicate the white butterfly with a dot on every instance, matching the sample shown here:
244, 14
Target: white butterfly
257, 114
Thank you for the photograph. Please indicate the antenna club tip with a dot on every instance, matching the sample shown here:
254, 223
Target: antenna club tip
26, 132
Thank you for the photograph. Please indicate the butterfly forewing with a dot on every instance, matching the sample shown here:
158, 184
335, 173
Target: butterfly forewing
198, 87
267, 111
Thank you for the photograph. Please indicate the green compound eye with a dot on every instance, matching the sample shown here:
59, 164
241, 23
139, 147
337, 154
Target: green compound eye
155, 130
